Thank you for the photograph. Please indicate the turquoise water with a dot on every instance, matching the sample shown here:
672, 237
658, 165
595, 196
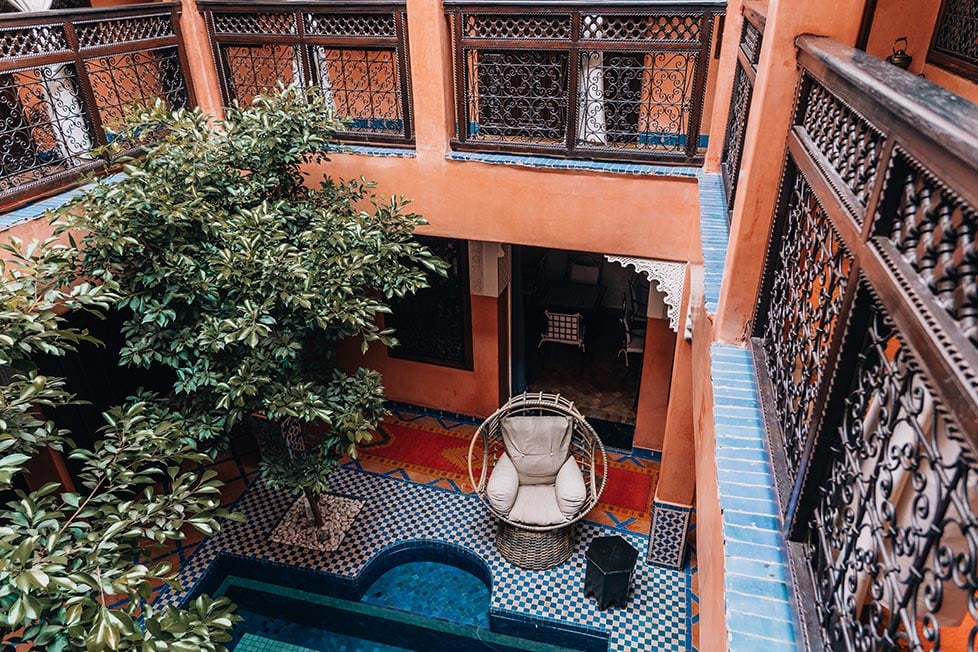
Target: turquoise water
426, 606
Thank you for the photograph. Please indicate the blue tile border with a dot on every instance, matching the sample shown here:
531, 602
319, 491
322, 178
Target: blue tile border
38, 209
755, 556
374, 150
714, 236
553, 163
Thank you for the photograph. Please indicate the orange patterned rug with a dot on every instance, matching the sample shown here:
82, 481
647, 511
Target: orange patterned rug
434, 451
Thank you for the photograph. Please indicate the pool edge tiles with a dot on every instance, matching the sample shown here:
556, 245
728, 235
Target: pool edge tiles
399, 514
254, 643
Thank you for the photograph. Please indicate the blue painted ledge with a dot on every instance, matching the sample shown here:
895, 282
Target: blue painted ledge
370, 150
551, 163
758, 607
714, 237
37, 209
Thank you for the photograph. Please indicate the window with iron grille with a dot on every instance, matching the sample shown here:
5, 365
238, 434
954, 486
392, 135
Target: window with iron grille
356, 55
955, 42
435, 324
603, 82
96, 66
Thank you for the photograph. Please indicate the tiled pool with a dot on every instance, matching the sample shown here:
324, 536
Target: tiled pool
413, 606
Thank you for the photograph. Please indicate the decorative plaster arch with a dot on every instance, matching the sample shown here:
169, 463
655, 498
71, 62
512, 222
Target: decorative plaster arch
670, 278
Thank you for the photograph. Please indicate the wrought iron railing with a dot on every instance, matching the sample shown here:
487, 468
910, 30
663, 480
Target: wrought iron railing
583, 80
356, 53
69, 78
748, 55
866, 337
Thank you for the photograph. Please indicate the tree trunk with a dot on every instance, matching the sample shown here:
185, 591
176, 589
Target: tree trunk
317, 514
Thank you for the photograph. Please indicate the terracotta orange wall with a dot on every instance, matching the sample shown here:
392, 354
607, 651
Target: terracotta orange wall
677, 473
653, 399
577, 211
915, 19
709, 524
445, 388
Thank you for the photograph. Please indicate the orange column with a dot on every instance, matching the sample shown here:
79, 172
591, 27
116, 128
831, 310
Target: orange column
653, 399
431, 79
764, 146
203, 71
724, 84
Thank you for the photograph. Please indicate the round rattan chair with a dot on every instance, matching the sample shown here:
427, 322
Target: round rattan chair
529, 546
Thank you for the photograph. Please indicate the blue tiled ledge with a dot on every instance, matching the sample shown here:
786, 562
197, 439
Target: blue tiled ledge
37, 209
370, 150
549, 163
758, 607
714, 235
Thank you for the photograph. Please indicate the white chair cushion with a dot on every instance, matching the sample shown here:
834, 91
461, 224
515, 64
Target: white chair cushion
570, 489
538, 446
503, 485
537, 505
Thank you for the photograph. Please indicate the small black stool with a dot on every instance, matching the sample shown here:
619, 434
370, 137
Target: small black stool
610, 561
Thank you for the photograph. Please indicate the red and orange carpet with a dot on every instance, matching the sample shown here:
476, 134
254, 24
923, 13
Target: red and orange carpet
433, 451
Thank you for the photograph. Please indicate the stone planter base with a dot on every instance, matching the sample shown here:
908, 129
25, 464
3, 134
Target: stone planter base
296, 527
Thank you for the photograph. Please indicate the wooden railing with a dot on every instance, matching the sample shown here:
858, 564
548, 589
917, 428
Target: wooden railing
866, 336
69, 78
583, 80
356, 53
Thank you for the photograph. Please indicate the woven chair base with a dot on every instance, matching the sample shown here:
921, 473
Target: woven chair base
534, 550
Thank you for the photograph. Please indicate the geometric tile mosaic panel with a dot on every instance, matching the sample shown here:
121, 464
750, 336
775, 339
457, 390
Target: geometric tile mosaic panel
667, 536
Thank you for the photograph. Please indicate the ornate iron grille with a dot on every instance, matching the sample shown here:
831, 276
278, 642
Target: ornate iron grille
955, 41
54, 115
357, 56
121, 81
435, 325
803, 314
895, 532
256, 69
601, 82
748, 54
865, 338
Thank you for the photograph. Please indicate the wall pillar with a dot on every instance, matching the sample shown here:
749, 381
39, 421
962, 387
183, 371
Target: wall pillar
764, 144
673, 502
203, 69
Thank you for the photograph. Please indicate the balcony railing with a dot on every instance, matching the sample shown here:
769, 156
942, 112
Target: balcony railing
357, 54
583, 80
69, 78
748, 55
867, 346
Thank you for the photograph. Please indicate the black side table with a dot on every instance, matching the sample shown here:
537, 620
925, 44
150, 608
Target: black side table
610, 561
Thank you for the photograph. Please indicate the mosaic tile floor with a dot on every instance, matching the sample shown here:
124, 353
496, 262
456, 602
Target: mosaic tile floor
662, 612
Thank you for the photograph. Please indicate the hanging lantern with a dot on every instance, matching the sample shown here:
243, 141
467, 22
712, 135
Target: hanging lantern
900, 58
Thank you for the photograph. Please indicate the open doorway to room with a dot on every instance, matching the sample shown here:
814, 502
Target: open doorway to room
579, 330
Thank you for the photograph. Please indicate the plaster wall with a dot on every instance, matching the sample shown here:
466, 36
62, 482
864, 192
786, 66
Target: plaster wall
915, 19
444, 388
709, 524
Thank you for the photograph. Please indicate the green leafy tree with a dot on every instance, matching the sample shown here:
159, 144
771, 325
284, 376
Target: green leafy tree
75, 566
243, 276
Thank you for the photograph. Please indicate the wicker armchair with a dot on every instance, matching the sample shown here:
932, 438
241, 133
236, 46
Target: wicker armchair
528, 544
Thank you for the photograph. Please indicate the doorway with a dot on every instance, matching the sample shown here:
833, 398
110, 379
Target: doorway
578, 330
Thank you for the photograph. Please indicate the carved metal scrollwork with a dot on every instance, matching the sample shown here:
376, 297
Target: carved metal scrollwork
804, 307
895, 530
